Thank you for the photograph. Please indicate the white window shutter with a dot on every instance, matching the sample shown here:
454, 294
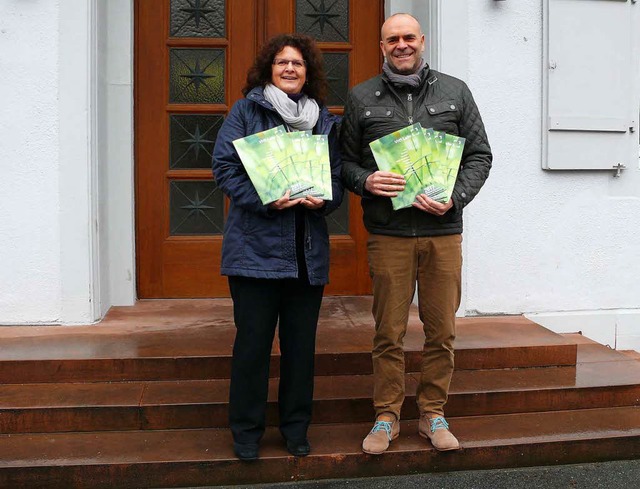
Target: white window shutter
590, 70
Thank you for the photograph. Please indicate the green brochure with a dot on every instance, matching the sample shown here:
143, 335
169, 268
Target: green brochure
455, 147
403, 152
444, 162
277, 161
315, 155
305, 162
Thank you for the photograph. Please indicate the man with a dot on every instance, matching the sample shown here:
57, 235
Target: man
418, 244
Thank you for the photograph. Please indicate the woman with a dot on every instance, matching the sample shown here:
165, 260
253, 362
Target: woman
276, 256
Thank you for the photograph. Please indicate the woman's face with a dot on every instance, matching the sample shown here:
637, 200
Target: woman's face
289, 71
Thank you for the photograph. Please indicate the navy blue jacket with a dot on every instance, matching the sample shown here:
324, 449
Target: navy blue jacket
259, 242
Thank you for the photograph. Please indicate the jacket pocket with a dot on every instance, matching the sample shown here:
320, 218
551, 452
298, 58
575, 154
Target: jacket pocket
378, 121
444, 116
378, 112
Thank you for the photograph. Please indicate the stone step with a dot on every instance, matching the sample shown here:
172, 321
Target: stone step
602, 378
203, 457
631, 353
142, 351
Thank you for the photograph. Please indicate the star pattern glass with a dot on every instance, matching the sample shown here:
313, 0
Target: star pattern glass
196, 76
338, 220
198, 18
337, 69
324, 20
192, 138
195, 208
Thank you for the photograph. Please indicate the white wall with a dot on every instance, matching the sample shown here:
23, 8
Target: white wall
562, 245
30, 272
47, 179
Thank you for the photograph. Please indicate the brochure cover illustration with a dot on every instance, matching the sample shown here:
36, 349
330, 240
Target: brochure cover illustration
403, 152
277, 161
313, 162
428, 159
444, 163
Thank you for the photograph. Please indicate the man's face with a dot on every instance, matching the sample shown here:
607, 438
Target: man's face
402, 44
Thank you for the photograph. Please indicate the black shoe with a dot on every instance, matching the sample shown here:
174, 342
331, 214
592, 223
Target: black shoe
299, 448
246, 452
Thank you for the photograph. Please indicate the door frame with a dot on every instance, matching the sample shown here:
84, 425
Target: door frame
115, 212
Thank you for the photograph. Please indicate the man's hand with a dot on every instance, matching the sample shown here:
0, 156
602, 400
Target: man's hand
431, 206
284, 202
384, 183
312, 203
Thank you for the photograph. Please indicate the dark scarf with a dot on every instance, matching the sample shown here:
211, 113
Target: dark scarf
412, 80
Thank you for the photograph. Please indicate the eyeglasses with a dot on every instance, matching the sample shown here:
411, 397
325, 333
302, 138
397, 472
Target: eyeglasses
298, 64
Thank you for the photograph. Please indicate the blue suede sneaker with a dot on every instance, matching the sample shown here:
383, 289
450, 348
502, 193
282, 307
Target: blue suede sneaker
380, 436
436, 429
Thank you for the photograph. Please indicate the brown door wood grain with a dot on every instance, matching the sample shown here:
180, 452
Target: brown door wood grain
191, 59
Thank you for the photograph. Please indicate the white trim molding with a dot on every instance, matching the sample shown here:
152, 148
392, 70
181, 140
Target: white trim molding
80, 289
453, 40
434, 31
96, 158
116, 150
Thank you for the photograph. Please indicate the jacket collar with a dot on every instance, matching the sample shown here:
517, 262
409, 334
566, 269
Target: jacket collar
257, 95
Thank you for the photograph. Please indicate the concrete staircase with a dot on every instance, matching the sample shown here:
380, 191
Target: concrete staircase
141, 400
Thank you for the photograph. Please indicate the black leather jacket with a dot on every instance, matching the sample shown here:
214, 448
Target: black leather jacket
376, 108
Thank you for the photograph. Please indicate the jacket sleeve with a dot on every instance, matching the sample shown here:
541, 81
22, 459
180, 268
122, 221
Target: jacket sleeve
476, 157
230, 174
353, 174
335, 158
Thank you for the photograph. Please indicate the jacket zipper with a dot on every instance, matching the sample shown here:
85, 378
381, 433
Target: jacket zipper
408, 107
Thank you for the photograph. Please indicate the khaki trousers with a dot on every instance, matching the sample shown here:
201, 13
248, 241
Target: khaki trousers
396, 265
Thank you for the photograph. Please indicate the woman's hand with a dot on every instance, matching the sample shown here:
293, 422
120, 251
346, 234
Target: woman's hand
312, 203
284, 202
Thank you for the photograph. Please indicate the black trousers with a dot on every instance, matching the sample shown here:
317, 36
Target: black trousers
258, 305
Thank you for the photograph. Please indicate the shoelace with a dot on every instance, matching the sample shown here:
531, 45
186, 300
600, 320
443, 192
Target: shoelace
382, 426
437, 423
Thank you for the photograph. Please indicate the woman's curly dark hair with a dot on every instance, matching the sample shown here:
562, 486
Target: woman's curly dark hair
260, 73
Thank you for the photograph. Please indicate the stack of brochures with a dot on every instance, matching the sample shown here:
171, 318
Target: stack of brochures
428, 160
277, 161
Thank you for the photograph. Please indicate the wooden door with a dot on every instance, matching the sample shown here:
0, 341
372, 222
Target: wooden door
191, 60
